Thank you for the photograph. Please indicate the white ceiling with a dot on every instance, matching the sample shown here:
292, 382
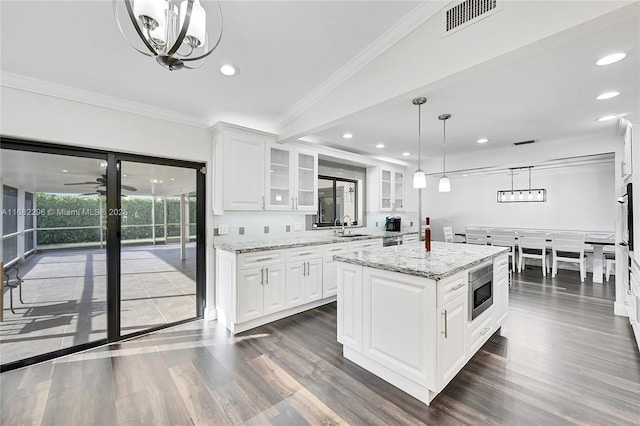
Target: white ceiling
287, 49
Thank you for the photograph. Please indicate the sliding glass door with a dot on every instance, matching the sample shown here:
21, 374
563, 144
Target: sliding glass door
96, 246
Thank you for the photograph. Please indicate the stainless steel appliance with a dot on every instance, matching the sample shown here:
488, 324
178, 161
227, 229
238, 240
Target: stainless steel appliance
395, 240
480, 290
393, 223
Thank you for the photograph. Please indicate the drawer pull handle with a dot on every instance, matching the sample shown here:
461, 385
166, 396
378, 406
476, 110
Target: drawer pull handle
445, 324
305, 254
263, 259
458, 287
267, 275
485, 331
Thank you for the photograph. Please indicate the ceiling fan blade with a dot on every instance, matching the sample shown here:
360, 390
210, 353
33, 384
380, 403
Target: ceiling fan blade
90, 193
129, 188
82, 183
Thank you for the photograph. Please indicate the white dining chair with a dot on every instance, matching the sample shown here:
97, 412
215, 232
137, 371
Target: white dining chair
568, 247
533, 245
610, 261
448, 234
476, 236
503, 238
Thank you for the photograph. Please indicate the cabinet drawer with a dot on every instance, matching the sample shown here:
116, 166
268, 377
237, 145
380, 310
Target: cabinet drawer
364, 244
480, 330
501, 264
452, 287
409, 238
303, 253
329, 250
260, 258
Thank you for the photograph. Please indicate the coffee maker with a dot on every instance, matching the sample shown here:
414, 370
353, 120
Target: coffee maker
393, 224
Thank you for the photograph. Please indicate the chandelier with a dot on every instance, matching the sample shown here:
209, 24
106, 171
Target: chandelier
175, 32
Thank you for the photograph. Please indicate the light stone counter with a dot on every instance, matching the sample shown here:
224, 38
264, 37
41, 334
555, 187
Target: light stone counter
253, 246
444, 259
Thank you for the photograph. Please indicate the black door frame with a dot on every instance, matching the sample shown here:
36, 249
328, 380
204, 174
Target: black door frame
113, 249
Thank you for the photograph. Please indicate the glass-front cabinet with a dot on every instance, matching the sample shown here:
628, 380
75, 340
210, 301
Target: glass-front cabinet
385, 190
391, 190
291, 179
398, 197
279, 178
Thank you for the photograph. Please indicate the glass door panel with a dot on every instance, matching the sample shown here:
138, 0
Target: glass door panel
52, 209
399, 191
279, 178
385, 183
307, 178
158, 245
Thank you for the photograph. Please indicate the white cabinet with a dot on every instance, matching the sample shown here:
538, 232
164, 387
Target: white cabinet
452, 329
260, 292
386, 191
292, 179
350, 305
280, 182
330, 268
243, 169
633, 300
304, 276
500, 289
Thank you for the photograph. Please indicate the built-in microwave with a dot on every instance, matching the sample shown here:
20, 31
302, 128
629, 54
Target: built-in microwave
480, 290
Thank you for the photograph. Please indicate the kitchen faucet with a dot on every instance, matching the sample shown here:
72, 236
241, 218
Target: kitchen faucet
335, 224
343, 220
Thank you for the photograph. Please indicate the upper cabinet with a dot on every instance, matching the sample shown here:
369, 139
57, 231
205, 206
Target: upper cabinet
292, 178
386, 191
255, 173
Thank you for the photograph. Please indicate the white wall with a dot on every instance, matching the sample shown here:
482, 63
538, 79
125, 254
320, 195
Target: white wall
578, 198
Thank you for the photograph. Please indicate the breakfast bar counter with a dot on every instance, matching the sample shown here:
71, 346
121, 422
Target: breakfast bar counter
415, 318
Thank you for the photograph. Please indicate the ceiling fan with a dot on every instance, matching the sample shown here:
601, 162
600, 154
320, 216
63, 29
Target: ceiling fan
101, 181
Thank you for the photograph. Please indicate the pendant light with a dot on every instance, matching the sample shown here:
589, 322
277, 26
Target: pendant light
444, 185
419, 178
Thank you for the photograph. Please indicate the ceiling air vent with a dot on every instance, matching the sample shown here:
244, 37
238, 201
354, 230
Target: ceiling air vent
465, 13
524, 142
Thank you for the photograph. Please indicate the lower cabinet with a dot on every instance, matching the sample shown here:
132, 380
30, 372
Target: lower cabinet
261, 291
500, 290
452, 329
303, 282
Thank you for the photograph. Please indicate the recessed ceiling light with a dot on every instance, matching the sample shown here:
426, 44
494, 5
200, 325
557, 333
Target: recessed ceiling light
229, 70
172, 179
156, 181
465, 175
103, 164
606, 118
607, 95
406, 154
611, 59
124, 175
483, 140
65, 171
347, 136
380, 145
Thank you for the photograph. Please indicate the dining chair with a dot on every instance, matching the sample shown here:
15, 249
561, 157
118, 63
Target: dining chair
533, 245
568, 247
610, 261
476, 236
502, 238
12, 280
448, 234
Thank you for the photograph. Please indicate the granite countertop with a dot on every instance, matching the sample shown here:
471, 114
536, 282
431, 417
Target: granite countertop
444, 259
253, 246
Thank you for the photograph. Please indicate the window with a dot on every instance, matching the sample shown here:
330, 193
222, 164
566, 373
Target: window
337, 198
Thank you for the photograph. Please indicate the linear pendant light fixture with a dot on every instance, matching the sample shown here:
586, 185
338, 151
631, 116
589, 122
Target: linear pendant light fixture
522, 195
444, 185
419, 178
175, 32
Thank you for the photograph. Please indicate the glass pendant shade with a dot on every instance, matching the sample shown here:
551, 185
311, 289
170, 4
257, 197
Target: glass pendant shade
419, 179
444, 185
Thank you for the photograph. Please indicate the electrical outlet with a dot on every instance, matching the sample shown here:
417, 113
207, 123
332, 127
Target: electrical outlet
223, 229
297, 226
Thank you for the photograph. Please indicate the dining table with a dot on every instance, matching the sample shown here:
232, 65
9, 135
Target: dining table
597, 241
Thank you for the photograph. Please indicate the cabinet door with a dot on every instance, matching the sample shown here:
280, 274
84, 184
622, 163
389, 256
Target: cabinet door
398, 193
500, 289
350, 305
274, 289
279, 195
294, 294
329, 277
385, 190
243, 171
452, 329
250, 294
313, 280
306, 198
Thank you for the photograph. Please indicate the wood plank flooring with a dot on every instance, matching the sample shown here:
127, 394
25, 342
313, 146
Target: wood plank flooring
562, 357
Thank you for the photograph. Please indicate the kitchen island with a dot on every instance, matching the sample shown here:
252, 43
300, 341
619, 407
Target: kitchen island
411, 316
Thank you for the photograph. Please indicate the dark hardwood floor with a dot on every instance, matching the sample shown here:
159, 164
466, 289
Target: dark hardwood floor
562, 357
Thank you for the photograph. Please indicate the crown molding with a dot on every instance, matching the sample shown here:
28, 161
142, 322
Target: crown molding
92, 98
419, 15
